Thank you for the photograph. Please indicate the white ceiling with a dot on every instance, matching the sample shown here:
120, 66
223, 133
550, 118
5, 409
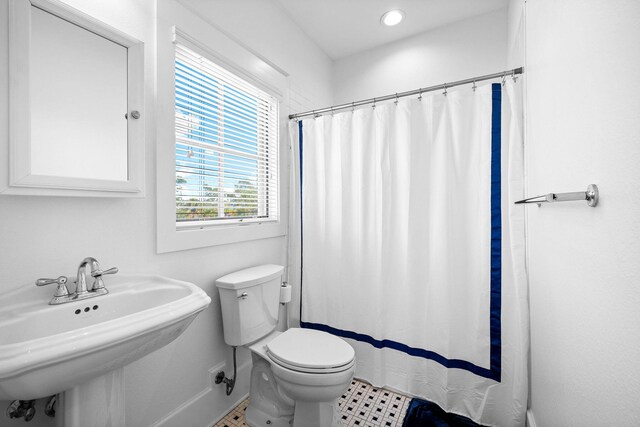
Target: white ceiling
345, 27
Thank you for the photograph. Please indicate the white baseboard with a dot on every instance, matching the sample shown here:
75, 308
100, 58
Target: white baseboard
531, 422
211, 404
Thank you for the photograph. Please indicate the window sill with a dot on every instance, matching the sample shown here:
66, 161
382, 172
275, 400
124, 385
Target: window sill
171, 239
230, 222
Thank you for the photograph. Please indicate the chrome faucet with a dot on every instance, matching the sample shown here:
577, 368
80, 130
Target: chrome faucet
62, 294
81, 277
98, 284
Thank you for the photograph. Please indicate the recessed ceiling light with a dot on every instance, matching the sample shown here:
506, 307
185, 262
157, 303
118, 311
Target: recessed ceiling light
393, 17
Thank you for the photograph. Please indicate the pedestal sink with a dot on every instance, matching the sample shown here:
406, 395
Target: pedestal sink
80, 347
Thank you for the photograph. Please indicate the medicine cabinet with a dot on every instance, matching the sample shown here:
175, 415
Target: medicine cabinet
76, 94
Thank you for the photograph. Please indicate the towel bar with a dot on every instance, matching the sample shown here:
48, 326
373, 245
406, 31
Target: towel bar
590, 196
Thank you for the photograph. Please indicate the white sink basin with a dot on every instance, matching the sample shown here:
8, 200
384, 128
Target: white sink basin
46, 349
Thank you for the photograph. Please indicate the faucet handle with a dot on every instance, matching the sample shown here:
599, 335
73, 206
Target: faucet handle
98, 284
61, 291
60, 281
98, 273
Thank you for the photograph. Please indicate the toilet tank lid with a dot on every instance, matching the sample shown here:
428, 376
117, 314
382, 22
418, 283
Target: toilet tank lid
250, 276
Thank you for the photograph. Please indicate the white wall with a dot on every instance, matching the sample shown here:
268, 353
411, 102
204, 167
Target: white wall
458, 51
42, 236
583, 126
268, 32
515, 33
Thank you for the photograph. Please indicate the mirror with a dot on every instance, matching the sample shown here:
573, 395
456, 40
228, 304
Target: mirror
76, 95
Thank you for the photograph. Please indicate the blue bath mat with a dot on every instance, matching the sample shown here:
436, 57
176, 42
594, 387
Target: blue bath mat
422, 413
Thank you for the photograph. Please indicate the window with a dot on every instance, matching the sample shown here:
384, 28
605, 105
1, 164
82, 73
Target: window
226, 133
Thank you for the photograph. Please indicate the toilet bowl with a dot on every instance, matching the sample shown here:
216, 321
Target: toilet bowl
297, 375
311, 365
302, 373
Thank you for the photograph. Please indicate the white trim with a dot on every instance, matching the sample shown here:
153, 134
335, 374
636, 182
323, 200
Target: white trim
172, 17
210, 405
230, 36
18, 178
81, 19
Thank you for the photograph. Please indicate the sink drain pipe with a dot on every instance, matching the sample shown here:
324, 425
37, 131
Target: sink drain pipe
229, 382
50, 407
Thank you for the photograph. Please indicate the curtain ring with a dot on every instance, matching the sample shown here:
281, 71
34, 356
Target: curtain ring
474, 87
374, 104
444, 86
396, 101
331, 111
420, 95
353, 106
504, 78
513, 75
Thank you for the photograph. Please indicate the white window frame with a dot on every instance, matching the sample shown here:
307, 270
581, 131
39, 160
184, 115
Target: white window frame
220, 145
233, 57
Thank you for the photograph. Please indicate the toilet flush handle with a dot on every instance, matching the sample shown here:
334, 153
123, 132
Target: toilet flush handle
243, 295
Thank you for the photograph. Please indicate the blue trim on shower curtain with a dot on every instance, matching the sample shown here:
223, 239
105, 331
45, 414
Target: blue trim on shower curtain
495, 325
412, 351
300, 149
301, 233
496, 233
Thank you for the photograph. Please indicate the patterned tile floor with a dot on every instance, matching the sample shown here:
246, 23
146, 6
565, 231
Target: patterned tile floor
235, 418
362, 405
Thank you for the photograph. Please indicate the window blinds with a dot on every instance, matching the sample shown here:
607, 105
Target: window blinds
226, 145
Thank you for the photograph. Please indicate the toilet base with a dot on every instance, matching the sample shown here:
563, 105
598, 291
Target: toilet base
267, 406
275, 390
255, 417
317, 414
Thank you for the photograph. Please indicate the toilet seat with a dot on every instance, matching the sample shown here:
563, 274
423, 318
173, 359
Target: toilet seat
310, 351
307, 370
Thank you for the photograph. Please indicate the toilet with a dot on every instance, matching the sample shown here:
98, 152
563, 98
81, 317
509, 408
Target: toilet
297, 375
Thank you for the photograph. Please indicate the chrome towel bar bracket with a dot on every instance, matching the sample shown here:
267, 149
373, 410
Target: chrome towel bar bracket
590, 196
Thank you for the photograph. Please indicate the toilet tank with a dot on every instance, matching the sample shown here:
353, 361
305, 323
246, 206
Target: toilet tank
249, 299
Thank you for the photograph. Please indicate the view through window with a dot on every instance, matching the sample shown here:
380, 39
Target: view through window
226, 145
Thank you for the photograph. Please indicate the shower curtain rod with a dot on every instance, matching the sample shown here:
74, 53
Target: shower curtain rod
420, 91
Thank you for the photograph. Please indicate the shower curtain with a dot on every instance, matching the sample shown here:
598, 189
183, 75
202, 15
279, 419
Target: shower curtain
405, 241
